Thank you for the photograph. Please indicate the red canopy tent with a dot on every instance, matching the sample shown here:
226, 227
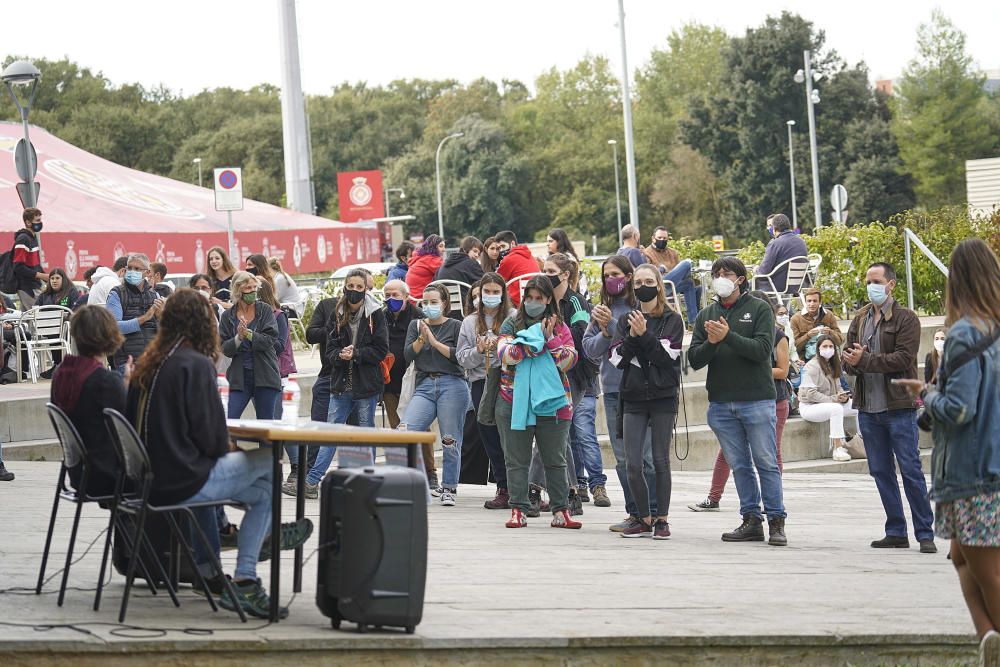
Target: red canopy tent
95, 211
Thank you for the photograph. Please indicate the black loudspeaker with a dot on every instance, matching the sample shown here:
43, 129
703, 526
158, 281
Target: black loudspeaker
372, 560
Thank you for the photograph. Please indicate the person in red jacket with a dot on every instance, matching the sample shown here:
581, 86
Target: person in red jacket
515, 260
424, 264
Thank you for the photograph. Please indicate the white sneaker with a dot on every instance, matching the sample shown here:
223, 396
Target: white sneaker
447, 499
436, 491
840, 454
989, 650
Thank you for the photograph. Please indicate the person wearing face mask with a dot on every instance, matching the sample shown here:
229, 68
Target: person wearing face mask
105, 280
648, 352
883, 341
783, 245
734, 337
813, 321
514, 261
575, 312
463, 265
821, 398
424, 264
257, 266
932, 361
617, 299
249, 334
27, 259
135, 305
535, 402
672, 268
441, 391
477, 353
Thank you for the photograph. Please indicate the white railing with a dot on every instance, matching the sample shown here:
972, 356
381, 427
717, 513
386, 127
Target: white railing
909, 236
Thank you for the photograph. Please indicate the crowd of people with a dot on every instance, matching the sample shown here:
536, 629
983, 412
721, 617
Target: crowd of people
526, 356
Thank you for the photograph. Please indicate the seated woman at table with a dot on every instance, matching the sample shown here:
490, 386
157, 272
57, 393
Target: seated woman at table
60, 291
83, 387
173, 403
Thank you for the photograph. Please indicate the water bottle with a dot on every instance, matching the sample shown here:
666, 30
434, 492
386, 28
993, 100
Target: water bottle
290, 401
223, 392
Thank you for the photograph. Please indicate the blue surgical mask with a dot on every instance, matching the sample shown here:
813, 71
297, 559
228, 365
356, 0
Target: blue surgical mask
534, 308
432, 312
492, 300
876, 294
395, 305
133, 277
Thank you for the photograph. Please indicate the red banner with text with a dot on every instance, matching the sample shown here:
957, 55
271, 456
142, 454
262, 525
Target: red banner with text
360, 194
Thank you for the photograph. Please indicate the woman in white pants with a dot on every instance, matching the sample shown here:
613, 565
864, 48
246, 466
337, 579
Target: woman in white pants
821, 397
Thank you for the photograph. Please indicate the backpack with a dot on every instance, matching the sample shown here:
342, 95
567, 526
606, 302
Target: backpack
8, 280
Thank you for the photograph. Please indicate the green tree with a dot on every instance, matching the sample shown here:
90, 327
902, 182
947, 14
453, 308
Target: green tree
942, 114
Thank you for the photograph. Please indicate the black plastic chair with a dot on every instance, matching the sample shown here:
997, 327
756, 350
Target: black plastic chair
138, 472
75, 456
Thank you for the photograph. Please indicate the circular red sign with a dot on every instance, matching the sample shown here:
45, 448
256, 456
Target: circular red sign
227, 179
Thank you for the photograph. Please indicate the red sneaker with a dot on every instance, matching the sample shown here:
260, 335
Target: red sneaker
561, 519
517, 519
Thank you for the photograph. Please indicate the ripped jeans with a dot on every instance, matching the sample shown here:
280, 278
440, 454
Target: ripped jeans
446, 398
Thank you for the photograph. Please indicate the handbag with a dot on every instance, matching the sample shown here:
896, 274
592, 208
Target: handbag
486, 414
855, 446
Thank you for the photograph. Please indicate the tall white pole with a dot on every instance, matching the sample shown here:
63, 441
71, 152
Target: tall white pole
812, 139
618, 195
293, 115
633, 198
791, 174
437, 176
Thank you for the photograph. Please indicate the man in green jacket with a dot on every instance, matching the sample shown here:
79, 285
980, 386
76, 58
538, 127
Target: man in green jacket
734, 336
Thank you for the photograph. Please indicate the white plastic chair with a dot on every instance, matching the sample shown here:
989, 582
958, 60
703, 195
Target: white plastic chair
43, 329
295, 324
798, 268
674, 297
455, 293
812, 275
522, 281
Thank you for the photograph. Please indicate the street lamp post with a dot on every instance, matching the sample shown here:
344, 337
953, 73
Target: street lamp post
437, 174
618, 196
24, 73
197, 161
791, 173
633, 197
402, 195
807, 76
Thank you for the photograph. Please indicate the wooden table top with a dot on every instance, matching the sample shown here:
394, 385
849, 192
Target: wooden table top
320, 432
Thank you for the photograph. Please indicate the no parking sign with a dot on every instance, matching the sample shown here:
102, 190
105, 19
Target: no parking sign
228, 189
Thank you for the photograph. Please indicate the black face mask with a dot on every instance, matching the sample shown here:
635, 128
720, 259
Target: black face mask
646, 293
660, 244
252, 270
36, 226
354, 296
501, 255
555, 280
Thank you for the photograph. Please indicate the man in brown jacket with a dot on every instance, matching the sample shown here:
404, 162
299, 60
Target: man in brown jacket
814, 321
882, 345
672, 268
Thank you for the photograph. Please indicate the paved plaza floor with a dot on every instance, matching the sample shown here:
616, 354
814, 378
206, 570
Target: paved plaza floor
493, 587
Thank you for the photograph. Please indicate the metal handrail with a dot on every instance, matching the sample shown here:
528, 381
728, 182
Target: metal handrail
909, 236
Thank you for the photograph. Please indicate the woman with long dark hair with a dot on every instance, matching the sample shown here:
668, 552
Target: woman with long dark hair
536, 352
60, 291
558, 241
932, 362
221, 271
174, 405
491, 255
286, 356
964, 407
822, 399
257, 265
249, 336
477, 353
424, 264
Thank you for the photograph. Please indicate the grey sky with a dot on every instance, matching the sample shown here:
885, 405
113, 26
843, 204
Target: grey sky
188, 45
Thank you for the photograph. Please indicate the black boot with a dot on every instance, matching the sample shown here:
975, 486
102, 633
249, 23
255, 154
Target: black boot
534, 502
776, 529
5, 475
751, 530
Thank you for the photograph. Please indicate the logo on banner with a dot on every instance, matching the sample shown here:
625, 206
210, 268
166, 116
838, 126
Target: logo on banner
360, 195
119, 250
297, 252
361, 192
199, 257
321, 248
70, 260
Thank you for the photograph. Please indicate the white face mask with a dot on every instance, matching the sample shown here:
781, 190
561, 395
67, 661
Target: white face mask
724, 287
939, 345
782, 320
827, 352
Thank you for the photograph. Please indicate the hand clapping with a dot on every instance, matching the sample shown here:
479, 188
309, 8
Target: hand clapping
548, 326
636, 323
717, 330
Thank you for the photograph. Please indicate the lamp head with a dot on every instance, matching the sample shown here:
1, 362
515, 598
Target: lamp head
789, 123
612, 142
20, 73
800, 77
815, 96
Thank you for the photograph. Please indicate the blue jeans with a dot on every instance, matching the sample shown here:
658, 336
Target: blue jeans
618, 447
680, 275
746, 432
319, 412
447, 399
341, 407
586, 449
894, 434
246, 478
264, 398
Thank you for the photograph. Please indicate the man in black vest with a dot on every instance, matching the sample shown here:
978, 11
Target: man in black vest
135, 304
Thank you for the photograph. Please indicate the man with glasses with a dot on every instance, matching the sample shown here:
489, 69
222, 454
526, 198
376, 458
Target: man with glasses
734, 336
882, 345
136, 305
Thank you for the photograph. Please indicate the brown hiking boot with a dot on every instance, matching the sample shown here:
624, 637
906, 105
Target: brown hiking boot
601, 497
500, 502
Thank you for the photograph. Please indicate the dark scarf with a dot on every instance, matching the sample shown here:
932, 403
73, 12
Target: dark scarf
67, 384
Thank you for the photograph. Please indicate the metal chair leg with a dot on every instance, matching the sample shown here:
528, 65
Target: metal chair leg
48, 540
69, 554
104, 557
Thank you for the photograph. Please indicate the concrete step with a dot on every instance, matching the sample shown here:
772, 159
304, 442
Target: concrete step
33, 450
853, 466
